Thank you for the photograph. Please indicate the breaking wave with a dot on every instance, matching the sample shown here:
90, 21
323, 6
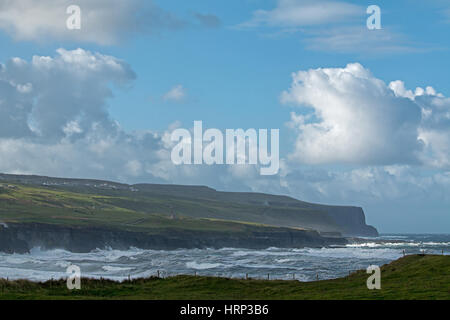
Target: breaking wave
280, 263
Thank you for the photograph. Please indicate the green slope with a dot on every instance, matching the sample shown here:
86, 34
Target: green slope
87, 199
28, 203
411, 277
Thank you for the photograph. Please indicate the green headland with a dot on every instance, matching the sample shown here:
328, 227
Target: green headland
82, 215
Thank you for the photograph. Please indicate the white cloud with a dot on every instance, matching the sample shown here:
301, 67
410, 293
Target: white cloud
352, 117
329, 25
176, 94
355, 118
369, 185
50, 97
103, 22
298, 13
60, 124
434, 130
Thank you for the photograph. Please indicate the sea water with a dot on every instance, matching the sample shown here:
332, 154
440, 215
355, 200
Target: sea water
279, 263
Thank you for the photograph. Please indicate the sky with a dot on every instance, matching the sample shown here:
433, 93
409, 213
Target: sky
364, 115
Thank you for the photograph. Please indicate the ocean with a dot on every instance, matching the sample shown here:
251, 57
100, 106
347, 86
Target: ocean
278, 263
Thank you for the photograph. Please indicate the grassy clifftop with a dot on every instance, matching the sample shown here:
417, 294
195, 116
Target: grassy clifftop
411, 277
80, 221
86, 199
37, 204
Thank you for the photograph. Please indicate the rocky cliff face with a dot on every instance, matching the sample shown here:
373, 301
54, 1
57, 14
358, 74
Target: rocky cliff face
351, 221
20, 238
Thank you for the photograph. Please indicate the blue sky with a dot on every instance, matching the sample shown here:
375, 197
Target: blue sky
231, 62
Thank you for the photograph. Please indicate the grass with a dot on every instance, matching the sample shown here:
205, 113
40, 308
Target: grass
28, 204
148, 210
416, 277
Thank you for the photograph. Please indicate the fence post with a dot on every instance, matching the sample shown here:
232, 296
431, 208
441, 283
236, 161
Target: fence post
246, 276
268, 276
317, 276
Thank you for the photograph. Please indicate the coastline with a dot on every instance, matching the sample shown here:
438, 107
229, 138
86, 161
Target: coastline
22, 237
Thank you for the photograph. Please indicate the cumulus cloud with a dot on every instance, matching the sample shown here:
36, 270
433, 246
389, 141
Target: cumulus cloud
54, 97
350, 116
298, 13
54, 118
434, 130
176, 94
103, 22
355, 118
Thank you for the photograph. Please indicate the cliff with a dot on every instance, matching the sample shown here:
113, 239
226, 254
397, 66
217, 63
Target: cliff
351, 221
20, 238
162, 216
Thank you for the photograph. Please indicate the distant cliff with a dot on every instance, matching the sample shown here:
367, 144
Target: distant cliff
351, 221
141, 207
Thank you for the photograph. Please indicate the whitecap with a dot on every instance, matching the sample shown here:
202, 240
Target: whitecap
116, 269
202, 266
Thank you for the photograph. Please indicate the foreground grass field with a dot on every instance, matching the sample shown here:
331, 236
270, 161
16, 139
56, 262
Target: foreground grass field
411, 277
